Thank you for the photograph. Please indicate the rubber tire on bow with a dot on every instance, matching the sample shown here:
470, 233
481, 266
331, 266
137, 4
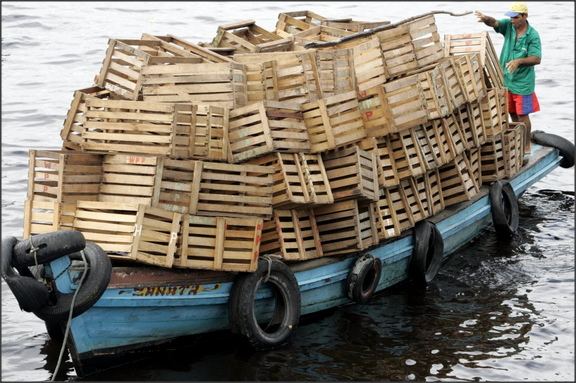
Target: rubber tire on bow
93, 286
29, 292
363, 279
504, 207
565, 147
241, 309
427, 254
50, 246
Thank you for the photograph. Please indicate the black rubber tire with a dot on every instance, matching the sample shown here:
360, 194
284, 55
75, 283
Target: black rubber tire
427, 254
504, 208
29, 292
565, 147
94, 285
363, 278
50, 246
286, 315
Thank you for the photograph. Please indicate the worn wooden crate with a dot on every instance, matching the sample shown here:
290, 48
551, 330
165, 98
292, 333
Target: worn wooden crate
319, 33
219, 84
346, 227
209, 133
130, 231
265, 127
71, 132
435, 143
63, 176
118, 126
513, 149
173, 185
353, 25
391, 212
455, 134
333, 121
480, 43
433, 189
352, 173
474, 158
219, 243
178, 45
405, 150
335, 69
247, 36
293, 234
368, 65
42, 216
414, 195
406, 102
122, 66
261, 81
469, 69
397, 51
525, 135
494, 106
387, 171
375, 112
455, 87
457, 181
426, 40
492, 159
435, 92
290, 23
472, 124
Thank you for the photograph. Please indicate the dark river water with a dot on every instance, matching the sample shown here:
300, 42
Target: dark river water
496, 312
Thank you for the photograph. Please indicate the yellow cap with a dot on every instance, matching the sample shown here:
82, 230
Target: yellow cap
516, 8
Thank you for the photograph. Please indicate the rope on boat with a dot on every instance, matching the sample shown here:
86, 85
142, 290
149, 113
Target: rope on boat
267, 258
70, 315
317, 44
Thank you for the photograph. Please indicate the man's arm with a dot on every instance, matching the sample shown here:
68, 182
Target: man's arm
490, 21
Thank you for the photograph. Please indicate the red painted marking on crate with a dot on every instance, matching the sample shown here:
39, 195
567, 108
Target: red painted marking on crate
47, 164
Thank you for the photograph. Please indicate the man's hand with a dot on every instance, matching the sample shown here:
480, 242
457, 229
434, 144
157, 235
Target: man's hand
490, 21
512, 65
480, 16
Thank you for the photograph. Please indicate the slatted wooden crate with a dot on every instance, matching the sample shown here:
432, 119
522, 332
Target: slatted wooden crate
300, 180
455, 87
333, 121
42, 216
71, 132
173, 185
474, 158
406, 153
435, 142
171, 43
265, 127
391, 213
352, 173
406, 102
368, 65
469, 70
434, 196
319, 33
525, 135
426, 40
435, 91
130, 231
247, 36
492, 159
494, 106
219, 243
63, 176
457, 181
472, 124
480, 43
353, 25
290, 23
335, 71
414, 195
260, 84
387, 172
219, 84
513, 148
122, 67
346, 227
209, 133
375, 112
456, 137
397, 51
293, 234
117, 126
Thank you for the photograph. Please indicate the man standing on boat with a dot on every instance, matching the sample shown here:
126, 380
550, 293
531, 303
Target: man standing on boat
522, 50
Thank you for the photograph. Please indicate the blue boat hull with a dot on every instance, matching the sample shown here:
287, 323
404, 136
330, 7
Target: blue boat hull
135, 314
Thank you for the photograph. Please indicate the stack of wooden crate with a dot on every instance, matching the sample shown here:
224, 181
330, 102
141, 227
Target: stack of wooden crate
207, 155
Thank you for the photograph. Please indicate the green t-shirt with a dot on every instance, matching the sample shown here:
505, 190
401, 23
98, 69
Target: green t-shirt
523, 80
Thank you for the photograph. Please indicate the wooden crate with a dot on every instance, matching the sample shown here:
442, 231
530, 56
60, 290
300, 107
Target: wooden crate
333, 122
118, 126
469, 69
387, 171
472, 124
319, 33
209, 135
375, 112
261, 81
456, 137
122, 67
219, 84
513, 149
414, 195
353, 25
247, 36
435, 92
352, 173
63, 176
455, 87
480, 43
406, 153
433, 189
335, 71
397, 51
457, 181
293, 234
474, 158
492, 159
494, 106
71, 132
391, 212
368, 65
426, 40
130, 231
265, 127
435, 143
406, 102
177, 45
346, 227
290, 23
41, 216
219, 243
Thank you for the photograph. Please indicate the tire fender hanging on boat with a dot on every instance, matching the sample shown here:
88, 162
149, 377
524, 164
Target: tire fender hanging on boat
504, 208
363, 278
46, 247
427, 254
95, 283
565, 147
285, 314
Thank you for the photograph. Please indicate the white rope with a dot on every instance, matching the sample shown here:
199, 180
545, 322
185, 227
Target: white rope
70, 316
267, 258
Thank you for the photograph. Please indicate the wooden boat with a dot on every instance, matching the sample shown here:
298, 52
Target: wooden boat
120, 309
